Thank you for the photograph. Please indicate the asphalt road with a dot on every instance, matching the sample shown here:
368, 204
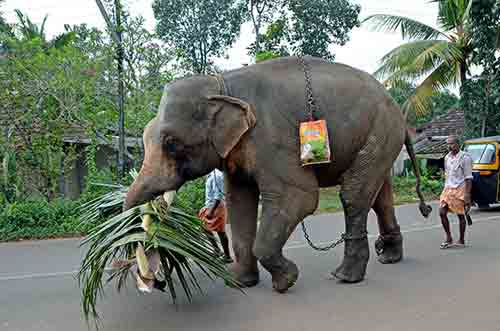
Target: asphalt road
432, 289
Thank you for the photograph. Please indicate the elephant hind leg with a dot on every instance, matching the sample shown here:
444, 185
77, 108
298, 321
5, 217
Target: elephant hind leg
389, 245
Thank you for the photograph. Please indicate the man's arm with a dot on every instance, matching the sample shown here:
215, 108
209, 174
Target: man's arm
212, 209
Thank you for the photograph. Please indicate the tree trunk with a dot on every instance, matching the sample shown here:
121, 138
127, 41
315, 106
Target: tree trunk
463, 72
256, 26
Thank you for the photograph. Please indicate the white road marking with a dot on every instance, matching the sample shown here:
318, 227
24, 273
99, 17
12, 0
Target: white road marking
294, 246
420, 229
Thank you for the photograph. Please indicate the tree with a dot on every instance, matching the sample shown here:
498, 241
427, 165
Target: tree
199, 30
481, 95
48, 93
44, 94
437, 58
440, 103
315, 25
309, 27
27, 30
260, 12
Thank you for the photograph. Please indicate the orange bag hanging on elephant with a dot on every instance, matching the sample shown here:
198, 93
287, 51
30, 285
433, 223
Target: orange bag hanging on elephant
314, 143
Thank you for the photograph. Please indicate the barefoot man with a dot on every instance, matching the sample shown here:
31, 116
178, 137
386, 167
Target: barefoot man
456, 196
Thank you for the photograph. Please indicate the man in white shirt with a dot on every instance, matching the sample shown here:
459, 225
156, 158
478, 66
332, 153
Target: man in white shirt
456, 196
214, 214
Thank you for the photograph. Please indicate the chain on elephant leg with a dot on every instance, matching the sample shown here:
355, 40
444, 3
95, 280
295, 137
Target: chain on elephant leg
356, 255
389, 247
356, 248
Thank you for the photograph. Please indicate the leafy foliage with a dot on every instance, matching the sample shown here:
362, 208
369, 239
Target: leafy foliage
169, 235
198, 30
309, 27
436, 58
481, 95
65, 87
440, 103
261, 12
318, 24
37, 219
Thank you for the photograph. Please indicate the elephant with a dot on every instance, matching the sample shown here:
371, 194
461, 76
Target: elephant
245, 122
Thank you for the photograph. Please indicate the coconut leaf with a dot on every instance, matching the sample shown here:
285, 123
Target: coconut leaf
410, 28
177, 236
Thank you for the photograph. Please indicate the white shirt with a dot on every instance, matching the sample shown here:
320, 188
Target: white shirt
457, 168
214, 188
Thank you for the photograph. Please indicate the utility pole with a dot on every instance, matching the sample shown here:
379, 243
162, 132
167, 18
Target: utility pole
116, 35
121, 95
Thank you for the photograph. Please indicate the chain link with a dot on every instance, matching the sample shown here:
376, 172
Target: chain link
324, 248
311, 107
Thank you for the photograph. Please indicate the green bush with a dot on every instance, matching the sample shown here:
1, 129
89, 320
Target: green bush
191, 196
430, 187
37, 219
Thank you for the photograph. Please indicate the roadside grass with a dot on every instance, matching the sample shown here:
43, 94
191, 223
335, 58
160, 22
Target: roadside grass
36, 219
403, 191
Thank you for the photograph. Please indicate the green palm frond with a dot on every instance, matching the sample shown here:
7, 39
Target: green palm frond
453, 14
168, 235
29, 29
415, 60
63, 40
444, 76
410, 29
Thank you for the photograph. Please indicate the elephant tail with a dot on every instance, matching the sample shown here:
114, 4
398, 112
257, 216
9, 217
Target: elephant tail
425, 209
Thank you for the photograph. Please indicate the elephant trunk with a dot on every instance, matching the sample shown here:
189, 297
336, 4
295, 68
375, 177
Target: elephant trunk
146, 188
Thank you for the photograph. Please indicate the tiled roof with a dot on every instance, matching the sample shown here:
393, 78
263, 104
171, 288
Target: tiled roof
431, 137
75, 134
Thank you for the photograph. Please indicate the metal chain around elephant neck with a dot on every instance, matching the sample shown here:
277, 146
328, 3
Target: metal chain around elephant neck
311, 107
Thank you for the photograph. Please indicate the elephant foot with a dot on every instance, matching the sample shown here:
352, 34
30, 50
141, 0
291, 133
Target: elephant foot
353, 267
246, 277
389, 248
284, 272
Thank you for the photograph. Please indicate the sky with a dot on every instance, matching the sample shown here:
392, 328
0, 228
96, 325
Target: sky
363, 51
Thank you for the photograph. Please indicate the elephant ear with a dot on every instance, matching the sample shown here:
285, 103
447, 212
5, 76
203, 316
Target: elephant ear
232, 118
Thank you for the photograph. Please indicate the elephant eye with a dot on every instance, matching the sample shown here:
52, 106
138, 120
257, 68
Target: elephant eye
170, 144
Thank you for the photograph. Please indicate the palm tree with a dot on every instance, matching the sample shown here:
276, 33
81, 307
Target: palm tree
438, 58
29, 31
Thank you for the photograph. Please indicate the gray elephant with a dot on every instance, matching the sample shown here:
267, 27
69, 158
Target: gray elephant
246, 123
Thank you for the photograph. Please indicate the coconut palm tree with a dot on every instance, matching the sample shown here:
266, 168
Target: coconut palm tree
27, 30
437, 58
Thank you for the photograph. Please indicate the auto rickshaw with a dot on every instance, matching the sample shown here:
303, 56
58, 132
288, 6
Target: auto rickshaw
485, 169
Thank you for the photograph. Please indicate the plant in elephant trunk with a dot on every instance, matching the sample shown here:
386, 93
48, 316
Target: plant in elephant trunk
246, 123
157, 243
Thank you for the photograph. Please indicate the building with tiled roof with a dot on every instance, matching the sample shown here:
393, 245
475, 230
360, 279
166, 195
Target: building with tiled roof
430, 142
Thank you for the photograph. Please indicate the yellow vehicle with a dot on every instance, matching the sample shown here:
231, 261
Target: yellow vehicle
485, 169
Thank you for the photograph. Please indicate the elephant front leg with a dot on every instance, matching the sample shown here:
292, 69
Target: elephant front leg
242, 204
281, 214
